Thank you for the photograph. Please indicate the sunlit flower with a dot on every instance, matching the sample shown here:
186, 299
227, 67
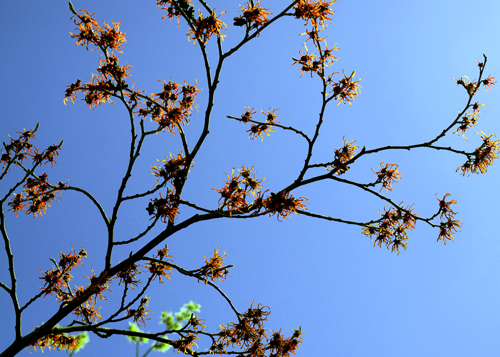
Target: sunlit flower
310, 63
238, 189
166, 208
245, 117
172, 168
283, 204
214, 267
447, 228
391, 230
342, 157
388, 175
204, 28
103, 37
256, 130
253, 16
488, 82
482, 157
316, 11
470, 87
468, 120
345, 90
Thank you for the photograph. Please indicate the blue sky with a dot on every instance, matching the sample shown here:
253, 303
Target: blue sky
349, 298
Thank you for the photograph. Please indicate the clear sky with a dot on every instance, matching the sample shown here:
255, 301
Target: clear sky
349, 298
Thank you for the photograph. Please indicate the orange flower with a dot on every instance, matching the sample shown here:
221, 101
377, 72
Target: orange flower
36, 196
127, 276
391, 229
249, 181
445, 207
139, 314
345, 90
176, 8
388, 175
169, 110
86, 33
469, 120
448, 225
88, 311
57, 341
109, 68
488, 82
263, 128
252, 16
55, 281
397, 243
171, 169
447, 229
342, 157
185, 344
470, 87
382, 238
479, 161
314, 35
237, 188
317, 11
309, 63
111, 38
158, 270
195, 322
98, 284
163, 254
214, 267
90, 32
72, 89
165, 208
245, 117
408, 217
283, 203
204, 28
20, 149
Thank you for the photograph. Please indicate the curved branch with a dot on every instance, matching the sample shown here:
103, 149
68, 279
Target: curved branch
140, 235
94, 201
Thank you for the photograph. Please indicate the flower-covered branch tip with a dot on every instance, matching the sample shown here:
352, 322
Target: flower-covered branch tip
257, 130
483, 157
176, 8
253, 16
391, 229
448, 224
204, 28
316, 11
103, 37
